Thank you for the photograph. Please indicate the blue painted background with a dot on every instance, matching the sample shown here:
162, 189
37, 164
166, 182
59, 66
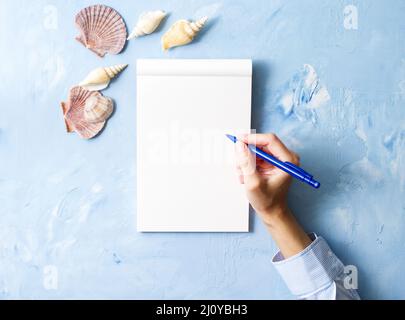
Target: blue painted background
69, 205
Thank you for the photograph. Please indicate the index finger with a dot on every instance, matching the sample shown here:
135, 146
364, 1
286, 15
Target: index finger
269, 142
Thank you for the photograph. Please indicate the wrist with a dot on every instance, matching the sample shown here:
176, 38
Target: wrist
275, 216
286, 231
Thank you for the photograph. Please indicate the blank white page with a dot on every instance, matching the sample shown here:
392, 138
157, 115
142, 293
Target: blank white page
186, 179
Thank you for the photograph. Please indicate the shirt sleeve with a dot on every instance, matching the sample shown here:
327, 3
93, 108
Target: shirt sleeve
315, 273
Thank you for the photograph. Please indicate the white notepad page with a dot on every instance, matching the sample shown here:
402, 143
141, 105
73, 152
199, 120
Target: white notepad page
186, 179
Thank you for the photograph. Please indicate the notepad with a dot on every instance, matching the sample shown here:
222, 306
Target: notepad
186, 177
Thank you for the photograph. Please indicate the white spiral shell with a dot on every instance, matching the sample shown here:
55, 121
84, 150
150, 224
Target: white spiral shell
182, 32
148, 23
100, 78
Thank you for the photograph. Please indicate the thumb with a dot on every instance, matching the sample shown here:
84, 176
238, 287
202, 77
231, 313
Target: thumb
246, 161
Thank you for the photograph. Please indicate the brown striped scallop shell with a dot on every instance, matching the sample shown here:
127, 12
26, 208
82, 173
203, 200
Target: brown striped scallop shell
73, 111
102, 30
98, 108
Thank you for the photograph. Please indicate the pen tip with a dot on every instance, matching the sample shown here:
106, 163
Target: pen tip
232, 138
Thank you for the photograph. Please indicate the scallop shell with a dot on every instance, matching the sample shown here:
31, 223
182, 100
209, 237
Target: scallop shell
102, 30
73, 111
182, 32
100, 78
98, 108
147, 24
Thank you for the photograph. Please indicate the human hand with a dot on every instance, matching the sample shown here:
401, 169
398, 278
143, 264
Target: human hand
266, 186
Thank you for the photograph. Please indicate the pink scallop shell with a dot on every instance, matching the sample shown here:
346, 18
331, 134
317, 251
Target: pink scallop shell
102, 30
73, 110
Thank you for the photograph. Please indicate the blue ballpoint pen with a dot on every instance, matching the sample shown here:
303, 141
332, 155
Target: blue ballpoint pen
288, 167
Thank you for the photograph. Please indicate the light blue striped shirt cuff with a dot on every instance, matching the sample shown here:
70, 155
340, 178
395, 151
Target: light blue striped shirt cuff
314, 269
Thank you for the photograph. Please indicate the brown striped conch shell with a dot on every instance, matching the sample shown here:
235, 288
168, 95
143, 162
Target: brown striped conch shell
73, 111
147, 24
182, 32
98, 108
102, 30
100, 78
